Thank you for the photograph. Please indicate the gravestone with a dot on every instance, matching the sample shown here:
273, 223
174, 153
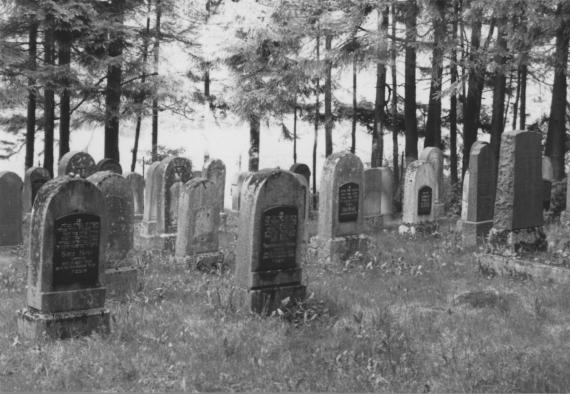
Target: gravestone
517, 222
419, 198
478, 195
65, 292
164, 184
76, 163
340, 223
215, 171
372, 199
109, 165
547, 179
137, 184
302, 169
434, 156
10, 209
270, 240
197, 239
33, 180
236, 189
120, 273
387, 193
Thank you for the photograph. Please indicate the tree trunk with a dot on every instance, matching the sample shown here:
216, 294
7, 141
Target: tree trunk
433, 125
49, 99
113, 90
394, 109
295, 133
523, 79
410, 81
380, 99
499, 90
556, 136
316, 138
453, 98
64, 39
516, 103
354, 105
254, 126
472, 104
139, 99
31, 110
156, 53
328, 98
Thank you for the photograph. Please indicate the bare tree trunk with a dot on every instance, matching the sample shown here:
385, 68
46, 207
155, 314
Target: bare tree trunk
49, 97
394, 109
156, 54
410, 84
523, 79
295, 132
328, 98
31, 110
63, 38
316, 139
453, 97
354, 104
380, 100
516, 103
499, 90
254, 127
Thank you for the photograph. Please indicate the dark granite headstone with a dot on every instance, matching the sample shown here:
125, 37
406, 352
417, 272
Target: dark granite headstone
76, 163
109, 165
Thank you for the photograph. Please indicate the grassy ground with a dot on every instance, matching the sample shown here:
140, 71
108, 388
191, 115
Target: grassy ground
415, 316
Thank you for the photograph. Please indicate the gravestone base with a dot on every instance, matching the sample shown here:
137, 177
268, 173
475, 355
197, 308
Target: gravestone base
204, 261
421, 228
528, 240
156, 242
338, 250
121, 281
473, 233
373, 223
517, 267
138, 217
268, 299
35, 325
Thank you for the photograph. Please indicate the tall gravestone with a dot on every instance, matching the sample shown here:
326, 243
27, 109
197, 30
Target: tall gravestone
76, 163
236, 189
197, 239
434, 156
65, 292
120, 274
547, 180
518, 221
478, 194
164, 184
341, 214
372, 200
215, 171
34, 179
109, 165
10, 209
270, 240
387, 193
137, 184
419, 188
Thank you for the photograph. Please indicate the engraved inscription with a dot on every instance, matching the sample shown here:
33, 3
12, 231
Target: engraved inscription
76, 250
279, 238
424, 200
348, 202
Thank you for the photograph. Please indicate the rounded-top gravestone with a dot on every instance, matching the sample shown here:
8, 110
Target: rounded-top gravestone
302, 169
215, 171
434, 156
76, 163
109, 165
137, 183
10, 209
419, 186
33, 180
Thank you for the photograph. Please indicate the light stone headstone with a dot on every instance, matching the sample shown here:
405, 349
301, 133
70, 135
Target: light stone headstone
478, 194
65, 291
197, 239
76, 163
107, 164
547, 179
215, 171
434, 156
270, 239
372, 199
33, 180
419, 188
137, 184
10, 209
387, 192
236, 189
518, 220
302, 169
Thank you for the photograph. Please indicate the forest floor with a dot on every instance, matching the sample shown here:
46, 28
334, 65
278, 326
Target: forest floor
416, 315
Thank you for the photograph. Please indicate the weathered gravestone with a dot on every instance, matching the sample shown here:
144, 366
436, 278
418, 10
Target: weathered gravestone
76, 163
65, 294
137, 184
340, 224
107, 164
10, 209
33, 180
215, 171
302, 169
236, 189
270, 239
164, 184
478, 195
419, 198
547, 179
387, 193
372, 200
120, 274
517, 223
197, 239
434, 156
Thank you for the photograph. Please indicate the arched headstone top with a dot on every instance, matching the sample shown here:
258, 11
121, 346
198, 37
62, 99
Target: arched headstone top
107, 164
34, 179
76, 163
